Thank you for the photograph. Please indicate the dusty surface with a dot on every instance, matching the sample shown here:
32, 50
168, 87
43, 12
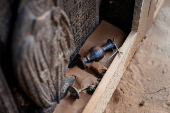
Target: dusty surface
145, 85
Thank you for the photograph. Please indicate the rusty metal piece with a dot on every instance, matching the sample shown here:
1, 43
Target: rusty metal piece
74, 92
91, 89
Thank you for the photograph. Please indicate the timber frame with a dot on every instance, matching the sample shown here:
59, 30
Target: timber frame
141, 22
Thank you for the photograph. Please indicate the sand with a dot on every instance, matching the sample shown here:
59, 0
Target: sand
145, 85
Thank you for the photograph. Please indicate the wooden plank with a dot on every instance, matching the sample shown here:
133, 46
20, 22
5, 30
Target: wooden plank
158, 7
104, 91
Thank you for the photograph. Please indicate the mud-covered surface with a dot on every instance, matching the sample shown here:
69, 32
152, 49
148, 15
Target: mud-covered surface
145, 85
88, 76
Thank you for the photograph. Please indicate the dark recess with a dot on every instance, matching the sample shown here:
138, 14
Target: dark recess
118, 13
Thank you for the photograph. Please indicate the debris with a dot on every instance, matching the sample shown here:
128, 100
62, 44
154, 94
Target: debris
142, 103
99, 68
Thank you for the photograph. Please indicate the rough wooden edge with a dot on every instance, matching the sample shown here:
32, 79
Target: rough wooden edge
158, 7
107, 86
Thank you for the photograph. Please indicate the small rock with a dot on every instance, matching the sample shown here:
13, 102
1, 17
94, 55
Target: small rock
142, 103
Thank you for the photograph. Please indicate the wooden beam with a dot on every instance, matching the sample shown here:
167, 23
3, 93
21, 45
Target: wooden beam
158, 7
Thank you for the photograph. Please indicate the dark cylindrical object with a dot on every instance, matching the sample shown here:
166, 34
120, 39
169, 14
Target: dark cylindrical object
91, 89
97, 53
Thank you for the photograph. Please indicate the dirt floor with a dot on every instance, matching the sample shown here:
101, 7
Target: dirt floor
145, 85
